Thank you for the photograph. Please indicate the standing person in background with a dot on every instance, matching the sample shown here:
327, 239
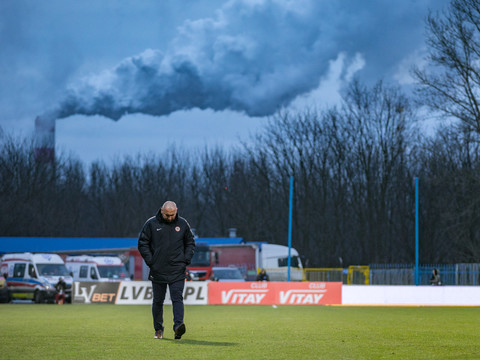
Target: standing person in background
435, 279
60, 286
262, 275
166, 243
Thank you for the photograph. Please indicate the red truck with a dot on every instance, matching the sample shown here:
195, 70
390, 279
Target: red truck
203, 260
242, 256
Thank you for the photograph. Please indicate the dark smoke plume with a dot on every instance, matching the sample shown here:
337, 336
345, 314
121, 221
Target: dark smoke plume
253, 57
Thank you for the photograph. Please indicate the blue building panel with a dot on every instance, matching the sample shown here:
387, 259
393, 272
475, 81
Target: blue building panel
65, 244
219, 241
54, 244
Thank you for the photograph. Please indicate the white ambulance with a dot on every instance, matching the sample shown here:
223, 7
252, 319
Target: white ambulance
34, 276
97, 268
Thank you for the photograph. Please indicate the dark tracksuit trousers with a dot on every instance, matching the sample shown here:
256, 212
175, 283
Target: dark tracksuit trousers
176, 294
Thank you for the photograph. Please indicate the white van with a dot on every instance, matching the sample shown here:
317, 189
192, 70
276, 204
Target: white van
274, 259
34, 276
97, 268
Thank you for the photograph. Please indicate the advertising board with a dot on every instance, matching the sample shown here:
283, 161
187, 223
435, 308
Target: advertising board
275, 293
92, 292
133, 293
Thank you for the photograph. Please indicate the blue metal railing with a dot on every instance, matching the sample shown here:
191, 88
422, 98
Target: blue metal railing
404, 274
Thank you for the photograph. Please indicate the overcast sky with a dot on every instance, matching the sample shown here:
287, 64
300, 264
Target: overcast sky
124, 77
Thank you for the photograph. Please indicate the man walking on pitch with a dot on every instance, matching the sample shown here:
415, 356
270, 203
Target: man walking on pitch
166, 243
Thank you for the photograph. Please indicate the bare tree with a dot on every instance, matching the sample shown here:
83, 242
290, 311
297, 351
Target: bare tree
350, 168
449, 166
39, 198
376, 126
450, 83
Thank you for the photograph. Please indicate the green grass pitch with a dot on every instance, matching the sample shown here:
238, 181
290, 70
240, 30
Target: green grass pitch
29, 331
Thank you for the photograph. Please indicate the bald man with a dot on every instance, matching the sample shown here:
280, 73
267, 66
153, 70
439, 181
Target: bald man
166, 243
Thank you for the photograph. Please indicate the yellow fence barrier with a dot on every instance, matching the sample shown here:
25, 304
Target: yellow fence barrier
354, 275
358, 274
323, 274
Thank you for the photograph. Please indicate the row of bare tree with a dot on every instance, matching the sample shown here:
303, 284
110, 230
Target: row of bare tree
354, 195
353, 166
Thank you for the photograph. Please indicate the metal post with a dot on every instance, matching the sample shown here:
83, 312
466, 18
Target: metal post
416, 233
290, 226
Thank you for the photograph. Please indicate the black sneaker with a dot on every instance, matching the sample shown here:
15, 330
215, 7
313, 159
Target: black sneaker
179, 331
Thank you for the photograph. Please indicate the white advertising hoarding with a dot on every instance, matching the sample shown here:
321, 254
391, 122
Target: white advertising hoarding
411, 295
140, 292
133, 293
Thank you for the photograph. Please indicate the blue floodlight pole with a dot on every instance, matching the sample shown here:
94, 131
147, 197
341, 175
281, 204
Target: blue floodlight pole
290, 226
416, 233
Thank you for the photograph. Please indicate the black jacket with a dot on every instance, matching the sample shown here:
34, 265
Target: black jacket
60, 286
167, 248
263, 277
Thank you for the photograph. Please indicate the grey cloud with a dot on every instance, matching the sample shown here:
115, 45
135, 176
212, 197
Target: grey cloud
253, 57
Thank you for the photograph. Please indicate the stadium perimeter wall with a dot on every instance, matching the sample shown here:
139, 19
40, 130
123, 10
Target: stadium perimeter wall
279, 293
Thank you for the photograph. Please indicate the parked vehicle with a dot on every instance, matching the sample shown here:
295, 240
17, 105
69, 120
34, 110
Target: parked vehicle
274, 259
202, 262
97, 268
231, 274
249, 258
4, 294
34, 276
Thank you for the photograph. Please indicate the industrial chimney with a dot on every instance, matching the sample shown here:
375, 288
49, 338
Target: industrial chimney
45, 139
